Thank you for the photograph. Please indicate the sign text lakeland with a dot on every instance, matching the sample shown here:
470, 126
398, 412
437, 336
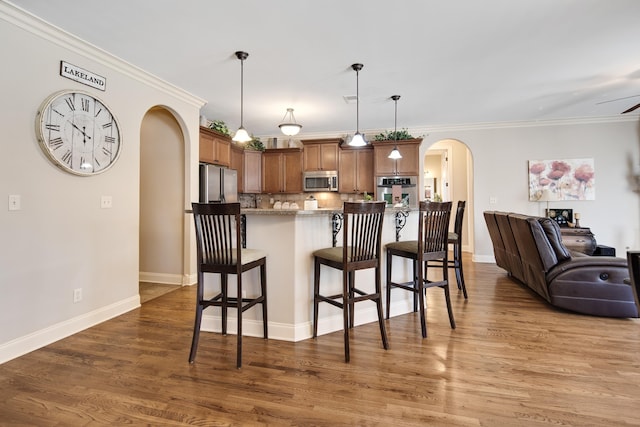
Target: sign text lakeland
82, 76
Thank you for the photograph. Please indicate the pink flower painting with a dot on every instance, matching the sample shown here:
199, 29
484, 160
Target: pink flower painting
551, 180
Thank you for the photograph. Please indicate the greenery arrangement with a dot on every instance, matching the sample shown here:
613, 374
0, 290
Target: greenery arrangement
220, 126
393, 135
255, 144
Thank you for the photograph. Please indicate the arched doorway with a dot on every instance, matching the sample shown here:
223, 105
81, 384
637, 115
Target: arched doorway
448, 172
162, 183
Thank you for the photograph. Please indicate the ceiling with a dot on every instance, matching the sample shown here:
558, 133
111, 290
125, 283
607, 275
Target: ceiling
452, 61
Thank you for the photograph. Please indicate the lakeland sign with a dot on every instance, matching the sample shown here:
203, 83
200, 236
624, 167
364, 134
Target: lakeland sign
82, 76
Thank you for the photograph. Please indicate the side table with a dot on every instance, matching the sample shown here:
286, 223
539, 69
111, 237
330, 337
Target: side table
579, 239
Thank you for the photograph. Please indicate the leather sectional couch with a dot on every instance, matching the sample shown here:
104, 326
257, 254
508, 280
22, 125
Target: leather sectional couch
530, 249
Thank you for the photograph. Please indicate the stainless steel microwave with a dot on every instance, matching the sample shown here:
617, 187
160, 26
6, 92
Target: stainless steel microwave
320, 181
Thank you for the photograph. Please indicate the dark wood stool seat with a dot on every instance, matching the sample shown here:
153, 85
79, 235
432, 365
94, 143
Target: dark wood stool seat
219, 251
432, 245
362, 233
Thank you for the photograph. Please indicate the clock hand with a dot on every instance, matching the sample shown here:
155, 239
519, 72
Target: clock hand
82, 131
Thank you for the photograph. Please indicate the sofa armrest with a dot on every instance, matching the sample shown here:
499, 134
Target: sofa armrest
593, 285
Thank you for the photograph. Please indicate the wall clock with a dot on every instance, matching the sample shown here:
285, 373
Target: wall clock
78, 132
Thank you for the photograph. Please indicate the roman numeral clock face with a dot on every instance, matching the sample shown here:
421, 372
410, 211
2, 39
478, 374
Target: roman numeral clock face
78, 133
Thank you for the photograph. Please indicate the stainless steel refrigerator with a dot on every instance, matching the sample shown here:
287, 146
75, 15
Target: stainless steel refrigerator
218, 184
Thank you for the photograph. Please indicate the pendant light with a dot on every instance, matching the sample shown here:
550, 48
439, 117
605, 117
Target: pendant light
289, 126
241, 134
395, 153
358, 139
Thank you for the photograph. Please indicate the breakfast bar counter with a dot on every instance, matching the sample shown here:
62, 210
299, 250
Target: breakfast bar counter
290, 237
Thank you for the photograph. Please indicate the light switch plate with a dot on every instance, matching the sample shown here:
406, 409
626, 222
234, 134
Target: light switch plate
15, 202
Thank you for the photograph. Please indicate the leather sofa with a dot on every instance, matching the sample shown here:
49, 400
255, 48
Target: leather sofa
530, 249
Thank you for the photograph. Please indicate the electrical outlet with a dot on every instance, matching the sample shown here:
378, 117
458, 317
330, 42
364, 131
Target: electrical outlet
106, 202
77, 295
15, 204
493, 200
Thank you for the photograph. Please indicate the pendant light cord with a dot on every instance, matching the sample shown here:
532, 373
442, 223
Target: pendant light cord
395, 121
357, 101
241, 92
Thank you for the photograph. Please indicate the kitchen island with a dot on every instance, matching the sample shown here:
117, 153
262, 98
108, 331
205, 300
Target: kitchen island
290, 237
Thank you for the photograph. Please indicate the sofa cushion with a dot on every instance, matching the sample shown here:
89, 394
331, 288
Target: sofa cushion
545, 250
552, 230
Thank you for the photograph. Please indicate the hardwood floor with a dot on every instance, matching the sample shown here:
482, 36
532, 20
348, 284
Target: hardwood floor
149, 291
512, 361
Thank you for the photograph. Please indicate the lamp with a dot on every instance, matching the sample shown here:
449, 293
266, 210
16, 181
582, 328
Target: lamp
289, 126
395, 153
241, 134
358, 139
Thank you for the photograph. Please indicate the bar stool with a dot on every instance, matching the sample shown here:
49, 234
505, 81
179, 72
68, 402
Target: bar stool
432, 245
362, 232
455, 239
219, 251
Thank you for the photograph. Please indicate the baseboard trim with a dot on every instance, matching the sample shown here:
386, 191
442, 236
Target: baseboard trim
28, 343
484, 259
162, 278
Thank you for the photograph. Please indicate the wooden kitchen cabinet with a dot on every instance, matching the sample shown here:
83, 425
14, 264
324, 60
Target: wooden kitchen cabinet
252, 171
215, 148
355, 174
408, 165
321, 154
237, 163
282, 170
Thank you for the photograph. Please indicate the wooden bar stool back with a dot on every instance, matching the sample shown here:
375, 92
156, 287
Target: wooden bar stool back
455, 239
219, 251
362, 233
432, 245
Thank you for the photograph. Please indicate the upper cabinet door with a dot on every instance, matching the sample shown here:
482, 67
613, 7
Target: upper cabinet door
215, 147
282, 171
356, 170
408, 165
321, 154
252, 171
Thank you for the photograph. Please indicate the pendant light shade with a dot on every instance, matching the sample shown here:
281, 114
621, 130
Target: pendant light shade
358, 139
241, 134
395, 153
289, 126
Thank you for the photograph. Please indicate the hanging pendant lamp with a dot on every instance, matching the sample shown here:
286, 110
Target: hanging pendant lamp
241, 134
358, 139
289, 126
395, 153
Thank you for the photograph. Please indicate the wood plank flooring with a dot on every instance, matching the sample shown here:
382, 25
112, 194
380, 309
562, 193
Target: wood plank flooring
149, 291
512, 361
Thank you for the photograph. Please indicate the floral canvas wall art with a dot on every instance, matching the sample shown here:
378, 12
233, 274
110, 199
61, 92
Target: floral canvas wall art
551, 180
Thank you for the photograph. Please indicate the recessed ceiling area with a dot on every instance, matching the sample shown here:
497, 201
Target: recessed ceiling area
453, 62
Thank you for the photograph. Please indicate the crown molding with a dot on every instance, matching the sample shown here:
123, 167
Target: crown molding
35, 25
423, 131
523, 124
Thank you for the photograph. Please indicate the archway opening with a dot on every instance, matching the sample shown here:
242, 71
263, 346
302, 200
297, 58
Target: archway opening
162, 184
448, 175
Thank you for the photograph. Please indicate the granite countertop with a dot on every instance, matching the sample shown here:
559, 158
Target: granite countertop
319, 211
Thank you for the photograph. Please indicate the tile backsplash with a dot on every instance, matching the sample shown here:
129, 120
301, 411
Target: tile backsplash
325, 199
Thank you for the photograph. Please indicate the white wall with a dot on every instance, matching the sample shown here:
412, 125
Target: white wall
500, 162
61, 239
